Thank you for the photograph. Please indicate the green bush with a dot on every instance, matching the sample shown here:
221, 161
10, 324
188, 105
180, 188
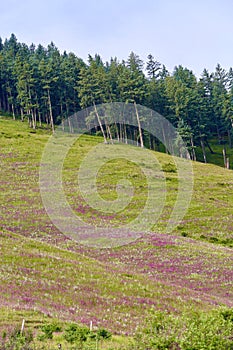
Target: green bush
103, 334
83, 338
48, 330
169, 168
76, 334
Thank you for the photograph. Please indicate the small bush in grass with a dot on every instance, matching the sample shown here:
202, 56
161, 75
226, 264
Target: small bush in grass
100, 334
76, 334
48, 330
103, 334
169, 168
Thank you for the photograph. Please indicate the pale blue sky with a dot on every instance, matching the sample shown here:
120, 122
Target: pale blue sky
197, 34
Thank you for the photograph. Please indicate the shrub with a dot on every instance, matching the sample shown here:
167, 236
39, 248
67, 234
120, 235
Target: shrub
83, 337
103, 333
76, 334
169, 168
48, 330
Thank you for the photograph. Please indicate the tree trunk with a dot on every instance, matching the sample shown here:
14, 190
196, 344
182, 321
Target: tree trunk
29, 119
22, 114
100, 124
136, 137
139, 125
70, 126
117, 132
50, 111
109, 133
125, 130
193, 149
33, 113
208, 145
13, 110
39, 114
203, 149
121, 133
224, 156
164, 140
47, 119
67, 110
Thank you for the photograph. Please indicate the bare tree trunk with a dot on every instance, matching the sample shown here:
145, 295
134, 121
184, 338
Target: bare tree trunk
120, 133
70, 126
193, 149
224, 156
125, 130
32, 119
33, 112
100, 124
109, 133
150, 142
67, 109
164, 140
47, 119
29, 119
39, 114
13, 110
50, 111
117, 132
139, 125
136, 137
22, 114
203, 149
208, 145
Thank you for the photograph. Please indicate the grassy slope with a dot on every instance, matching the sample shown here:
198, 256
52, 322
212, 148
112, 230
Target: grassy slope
216, 157
45, 273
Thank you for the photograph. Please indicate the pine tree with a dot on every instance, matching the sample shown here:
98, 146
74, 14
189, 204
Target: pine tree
153, 67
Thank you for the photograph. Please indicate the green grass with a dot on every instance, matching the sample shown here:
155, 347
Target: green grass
209, 216
216, 157
45, 276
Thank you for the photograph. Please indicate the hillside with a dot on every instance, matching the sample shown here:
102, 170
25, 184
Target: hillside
46, 274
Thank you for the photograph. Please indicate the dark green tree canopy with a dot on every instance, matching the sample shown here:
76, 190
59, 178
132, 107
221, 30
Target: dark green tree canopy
42, 85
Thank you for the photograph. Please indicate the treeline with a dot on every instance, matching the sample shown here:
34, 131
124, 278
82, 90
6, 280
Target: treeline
42, 85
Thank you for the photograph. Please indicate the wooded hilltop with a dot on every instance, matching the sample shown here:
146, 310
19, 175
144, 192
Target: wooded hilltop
43, 85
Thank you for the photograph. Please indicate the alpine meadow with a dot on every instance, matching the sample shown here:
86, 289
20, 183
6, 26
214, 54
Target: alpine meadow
145, 157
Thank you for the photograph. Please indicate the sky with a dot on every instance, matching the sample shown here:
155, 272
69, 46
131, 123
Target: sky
197, 34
